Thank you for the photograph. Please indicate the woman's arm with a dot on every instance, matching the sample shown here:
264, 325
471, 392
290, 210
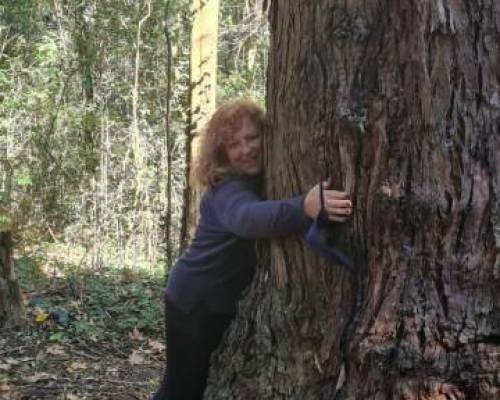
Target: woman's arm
245, 214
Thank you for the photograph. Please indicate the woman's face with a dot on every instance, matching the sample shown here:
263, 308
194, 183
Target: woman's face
244, 149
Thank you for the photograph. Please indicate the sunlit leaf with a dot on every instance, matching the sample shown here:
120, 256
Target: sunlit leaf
5, 367
55, 350
41, 316
39, 376
24, 181
77, 366
135, 335
156, 346
136, 358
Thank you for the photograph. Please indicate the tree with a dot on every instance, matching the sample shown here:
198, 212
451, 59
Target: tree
202, 96
11, 301
399, 102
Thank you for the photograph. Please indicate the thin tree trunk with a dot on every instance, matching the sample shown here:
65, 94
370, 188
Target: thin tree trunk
169, 144
85, 47
399, 102
11, 300
136, 136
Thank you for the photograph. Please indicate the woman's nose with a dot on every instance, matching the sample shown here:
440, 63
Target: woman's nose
246, 149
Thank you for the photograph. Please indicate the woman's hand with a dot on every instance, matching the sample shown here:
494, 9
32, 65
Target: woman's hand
338, 205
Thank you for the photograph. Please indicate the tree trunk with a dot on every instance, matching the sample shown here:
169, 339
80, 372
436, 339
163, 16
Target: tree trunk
203, 79
400, 102
11, 301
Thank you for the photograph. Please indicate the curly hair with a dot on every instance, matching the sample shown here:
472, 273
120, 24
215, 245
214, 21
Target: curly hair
212, 163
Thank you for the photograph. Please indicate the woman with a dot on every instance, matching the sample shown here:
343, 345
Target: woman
205, 283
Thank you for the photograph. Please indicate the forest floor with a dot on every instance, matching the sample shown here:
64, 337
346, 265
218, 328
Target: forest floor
89, 334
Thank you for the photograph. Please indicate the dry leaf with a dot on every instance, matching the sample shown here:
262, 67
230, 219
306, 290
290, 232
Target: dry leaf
39, 376
156, 346
55, 350
136, 358
5, 367
12, 361
23, 360
71, 396
135, 335
4, 387
77, 366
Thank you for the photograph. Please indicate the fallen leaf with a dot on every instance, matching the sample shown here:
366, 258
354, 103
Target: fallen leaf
77, 366
71, 396
112, 370
156, 346
55, 350
136, 358
4, 387
39, 376
41, 316
5, 367
136, 335
23, 360
12, 361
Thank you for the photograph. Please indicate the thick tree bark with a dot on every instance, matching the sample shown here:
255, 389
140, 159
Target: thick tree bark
400, 102
11, 301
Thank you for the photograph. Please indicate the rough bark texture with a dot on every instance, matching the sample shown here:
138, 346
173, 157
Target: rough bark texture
400, 102
11, 302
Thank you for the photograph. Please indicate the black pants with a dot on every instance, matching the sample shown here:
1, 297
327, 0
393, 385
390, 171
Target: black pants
191, 339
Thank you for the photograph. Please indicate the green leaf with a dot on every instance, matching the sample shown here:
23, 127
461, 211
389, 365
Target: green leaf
24, 181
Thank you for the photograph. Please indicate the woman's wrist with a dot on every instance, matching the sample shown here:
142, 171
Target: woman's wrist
312, 202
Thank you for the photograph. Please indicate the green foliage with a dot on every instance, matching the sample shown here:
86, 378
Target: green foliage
3, 199
59, 337
94, 306
74, 157
243, 47
28, 272
24, 180
4, 220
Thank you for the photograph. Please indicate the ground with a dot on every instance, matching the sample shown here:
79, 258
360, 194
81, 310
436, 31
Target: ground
89, 334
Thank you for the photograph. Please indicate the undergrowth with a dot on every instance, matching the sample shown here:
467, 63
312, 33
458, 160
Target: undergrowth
64, 301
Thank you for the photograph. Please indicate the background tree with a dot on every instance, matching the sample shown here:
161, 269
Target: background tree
203, 83
399, 102
11, 301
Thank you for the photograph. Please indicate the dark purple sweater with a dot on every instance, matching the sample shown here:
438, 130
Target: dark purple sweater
220, 261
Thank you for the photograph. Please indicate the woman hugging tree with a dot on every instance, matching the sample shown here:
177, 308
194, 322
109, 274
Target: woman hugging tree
205, 283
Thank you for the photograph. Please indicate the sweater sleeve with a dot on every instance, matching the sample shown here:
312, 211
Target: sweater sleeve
245, 214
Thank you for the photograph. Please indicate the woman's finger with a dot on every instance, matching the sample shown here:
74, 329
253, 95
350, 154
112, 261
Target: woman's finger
335, 194
339, 211
339, 203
